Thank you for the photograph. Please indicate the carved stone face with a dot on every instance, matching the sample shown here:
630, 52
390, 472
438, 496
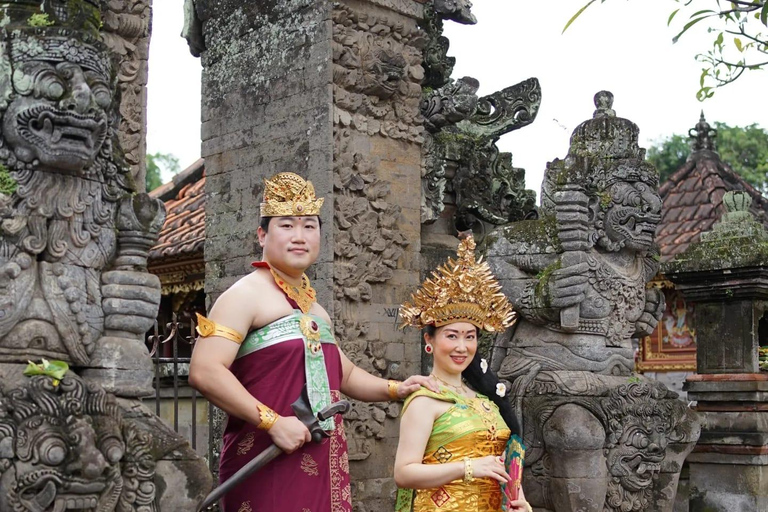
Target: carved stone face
66, 467
637, 458
632, 214
58, 115
383, 72
67, 454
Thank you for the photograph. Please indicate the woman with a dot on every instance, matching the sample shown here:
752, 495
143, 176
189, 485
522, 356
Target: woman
451, 442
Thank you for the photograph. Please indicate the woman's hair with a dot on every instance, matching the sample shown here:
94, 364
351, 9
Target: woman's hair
485, 383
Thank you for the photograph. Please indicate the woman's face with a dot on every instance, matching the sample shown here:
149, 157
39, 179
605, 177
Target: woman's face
454, 346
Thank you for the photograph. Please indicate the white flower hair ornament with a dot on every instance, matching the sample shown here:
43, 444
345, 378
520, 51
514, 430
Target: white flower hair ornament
501, 389
484, 365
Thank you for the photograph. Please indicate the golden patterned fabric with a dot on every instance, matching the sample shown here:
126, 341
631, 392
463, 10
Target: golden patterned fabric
471, 427
462, 290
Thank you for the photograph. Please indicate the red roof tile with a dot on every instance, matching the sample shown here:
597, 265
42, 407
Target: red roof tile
183, 234
693, 201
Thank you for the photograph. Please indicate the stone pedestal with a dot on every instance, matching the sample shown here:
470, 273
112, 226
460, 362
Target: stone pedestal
729, 465
727, 276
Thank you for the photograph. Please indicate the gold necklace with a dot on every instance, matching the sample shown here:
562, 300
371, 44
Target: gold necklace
460, 389
303, 295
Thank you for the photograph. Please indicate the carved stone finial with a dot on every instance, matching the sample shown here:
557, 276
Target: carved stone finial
702, 135
737, 201
604, 104
455, 10
738, 240
737, 221
462, 133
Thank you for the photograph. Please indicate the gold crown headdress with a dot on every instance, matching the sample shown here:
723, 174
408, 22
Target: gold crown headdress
462, 290
287, 195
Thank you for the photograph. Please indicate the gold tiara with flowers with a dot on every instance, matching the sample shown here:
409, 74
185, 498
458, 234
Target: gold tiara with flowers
288, 195
462, 290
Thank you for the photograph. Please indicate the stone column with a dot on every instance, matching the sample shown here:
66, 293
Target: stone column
727, 275
330, 91
125, 30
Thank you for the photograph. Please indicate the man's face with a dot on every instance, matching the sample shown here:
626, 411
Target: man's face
291, 244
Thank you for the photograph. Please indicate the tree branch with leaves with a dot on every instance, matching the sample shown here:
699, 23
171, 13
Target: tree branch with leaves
740, 30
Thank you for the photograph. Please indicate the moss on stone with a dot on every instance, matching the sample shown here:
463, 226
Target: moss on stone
732, 252
605, 199
542, 284
541, 232
8, 184
39, 20
446, 137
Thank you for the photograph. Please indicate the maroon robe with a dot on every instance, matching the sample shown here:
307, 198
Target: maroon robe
314, 478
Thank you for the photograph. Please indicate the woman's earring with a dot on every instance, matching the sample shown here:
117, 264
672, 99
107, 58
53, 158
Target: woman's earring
428, 348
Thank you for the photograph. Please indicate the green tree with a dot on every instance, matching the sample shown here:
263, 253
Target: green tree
745, 149
668, 154
740, 37
156, 164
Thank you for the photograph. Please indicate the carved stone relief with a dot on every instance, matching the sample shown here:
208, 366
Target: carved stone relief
577, 278
461, 157
367, 247
125, 31
376, 74
67, 447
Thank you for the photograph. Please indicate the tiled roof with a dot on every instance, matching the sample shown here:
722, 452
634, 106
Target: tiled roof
693, 201
183, 234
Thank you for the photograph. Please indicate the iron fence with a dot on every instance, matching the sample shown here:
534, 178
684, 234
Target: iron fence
171, 354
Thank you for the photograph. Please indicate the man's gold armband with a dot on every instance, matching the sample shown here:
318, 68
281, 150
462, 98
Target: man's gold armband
207, 328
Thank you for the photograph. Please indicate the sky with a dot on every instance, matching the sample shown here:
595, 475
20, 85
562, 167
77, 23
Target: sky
622, 46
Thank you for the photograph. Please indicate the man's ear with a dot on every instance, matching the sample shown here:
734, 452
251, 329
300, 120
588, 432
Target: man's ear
262, 235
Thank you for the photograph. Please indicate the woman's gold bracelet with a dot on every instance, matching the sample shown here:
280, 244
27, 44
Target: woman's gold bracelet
392, 389
469, 473
268, 417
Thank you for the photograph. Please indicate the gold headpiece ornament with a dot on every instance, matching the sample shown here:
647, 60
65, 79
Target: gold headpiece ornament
288, 195
462, 290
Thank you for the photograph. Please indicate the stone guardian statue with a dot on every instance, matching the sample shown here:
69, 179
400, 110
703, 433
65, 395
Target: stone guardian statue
599, 438
74, 238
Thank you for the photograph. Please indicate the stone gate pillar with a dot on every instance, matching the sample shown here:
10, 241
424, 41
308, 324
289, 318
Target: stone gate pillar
726, 273
331, 91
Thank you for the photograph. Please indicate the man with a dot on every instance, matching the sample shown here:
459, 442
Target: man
266, 338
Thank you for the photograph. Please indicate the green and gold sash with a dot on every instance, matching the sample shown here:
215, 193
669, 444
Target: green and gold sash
314, 331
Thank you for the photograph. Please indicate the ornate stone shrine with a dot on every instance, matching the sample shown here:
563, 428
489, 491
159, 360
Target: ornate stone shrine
726, 273
599, 438
74, 238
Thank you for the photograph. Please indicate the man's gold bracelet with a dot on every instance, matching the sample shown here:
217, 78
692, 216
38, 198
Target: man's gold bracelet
469, 473
267, 416
392, 386
206, 327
